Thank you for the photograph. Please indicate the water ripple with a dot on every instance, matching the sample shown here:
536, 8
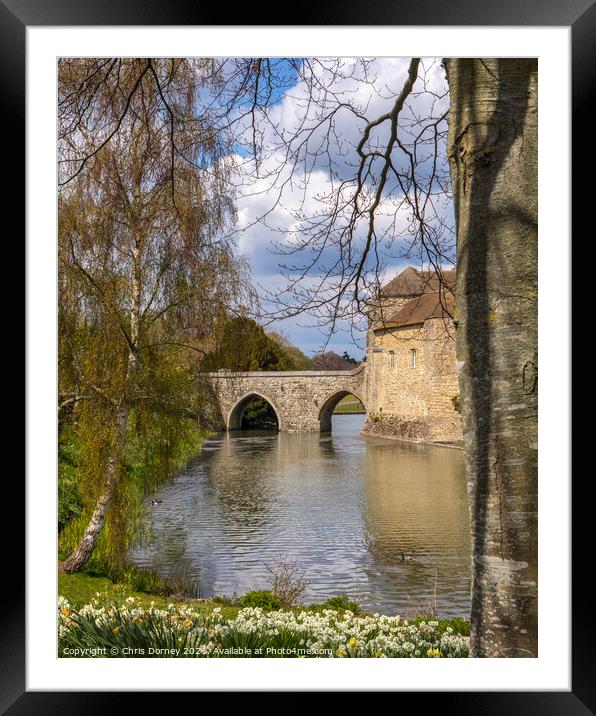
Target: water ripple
344, 506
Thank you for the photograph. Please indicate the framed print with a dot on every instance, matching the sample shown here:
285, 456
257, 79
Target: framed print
287, 288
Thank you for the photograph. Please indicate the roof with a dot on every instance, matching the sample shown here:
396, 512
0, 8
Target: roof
411, 282
432, 296
420, 309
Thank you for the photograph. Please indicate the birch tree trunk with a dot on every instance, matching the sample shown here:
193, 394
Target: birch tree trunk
494, 163
83, 551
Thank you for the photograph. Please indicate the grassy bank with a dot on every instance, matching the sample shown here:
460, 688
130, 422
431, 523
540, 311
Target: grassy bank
96, 615
83, 588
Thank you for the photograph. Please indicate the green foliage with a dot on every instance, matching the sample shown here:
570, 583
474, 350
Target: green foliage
259, 414
297, 359
262, 598
148, 581
340, 603
243, 345
157, 446
80, 588
69, 479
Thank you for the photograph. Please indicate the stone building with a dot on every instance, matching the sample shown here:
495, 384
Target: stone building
408, 382
411, 384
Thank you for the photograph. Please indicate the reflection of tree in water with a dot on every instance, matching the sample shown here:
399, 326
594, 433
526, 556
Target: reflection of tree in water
259, 415
251, 470
239, 475
165, 548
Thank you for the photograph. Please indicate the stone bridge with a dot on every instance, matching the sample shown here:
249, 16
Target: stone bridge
302, 400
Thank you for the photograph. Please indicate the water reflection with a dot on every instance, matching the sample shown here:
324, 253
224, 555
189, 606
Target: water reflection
343, 505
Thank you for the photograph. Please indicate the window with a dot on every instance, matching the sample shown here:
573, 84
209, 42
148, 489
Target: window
413, 356
391, 359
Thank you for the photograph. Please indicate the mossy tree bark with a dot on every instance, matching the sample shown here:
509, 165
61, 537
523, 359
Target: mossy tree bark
493, 162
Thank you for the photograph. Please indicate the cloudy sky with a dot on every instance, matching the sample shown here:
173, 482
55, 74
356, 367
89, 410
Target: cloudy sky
276, 205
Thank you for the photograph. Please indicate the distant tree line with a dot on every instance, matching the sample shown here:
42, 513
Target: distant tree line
243, 345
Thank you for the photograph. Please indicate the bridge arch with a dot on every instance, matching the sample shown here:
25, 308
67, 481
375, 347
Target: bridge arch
326, 411
234, 419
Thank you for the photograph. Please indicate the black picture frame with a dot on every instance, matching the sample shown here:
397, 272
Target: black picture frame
16, 15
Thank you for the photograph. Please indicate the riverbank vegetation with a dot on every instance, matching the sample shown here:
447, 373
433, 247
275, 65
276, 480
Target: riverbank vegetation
95, 616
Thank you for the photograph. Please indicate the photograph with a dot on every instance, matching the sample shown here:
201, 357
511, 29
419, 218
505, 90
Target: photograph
297, 357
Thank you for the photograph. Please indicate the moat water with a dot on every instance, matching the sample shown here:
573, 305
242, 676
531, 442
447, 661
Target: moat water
344, 506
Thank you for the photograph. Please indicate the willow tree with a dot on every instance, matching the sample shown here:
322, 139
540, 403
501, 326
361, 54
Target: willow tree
143, 277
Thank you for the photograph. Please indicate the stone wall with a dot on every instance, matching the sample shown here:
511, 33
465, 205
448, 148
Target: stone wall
409, 399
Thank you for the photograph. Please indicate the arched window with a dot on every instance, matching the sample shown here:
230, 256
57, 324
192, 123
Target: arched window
413, 357
391, 359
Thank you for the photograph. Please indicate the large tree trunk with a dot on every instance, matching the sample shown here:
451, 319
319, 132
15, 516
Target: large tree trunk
493, 161
83, 551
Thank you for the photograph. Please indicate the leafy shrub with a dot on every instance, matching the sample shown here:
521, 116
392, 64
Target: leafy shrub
226, 601
263, 599
341, 603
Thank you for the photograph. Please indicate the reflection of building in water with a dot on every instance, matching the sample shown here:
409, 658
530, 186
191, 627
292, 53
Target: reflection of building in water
415, 501
411, 378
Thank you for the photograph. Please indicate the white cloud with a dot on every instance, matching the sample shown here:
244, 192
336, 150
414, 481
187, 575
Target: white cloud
276, 206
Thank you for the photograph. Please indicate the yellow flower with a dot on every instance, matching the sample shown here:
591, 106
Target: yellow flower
64, 612
188, 623
341, 652
378, 653
353, 643
434, 653
115, 630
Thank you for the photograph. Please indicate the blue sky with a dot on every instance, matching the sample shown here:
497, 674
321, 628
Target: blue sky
256, 239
